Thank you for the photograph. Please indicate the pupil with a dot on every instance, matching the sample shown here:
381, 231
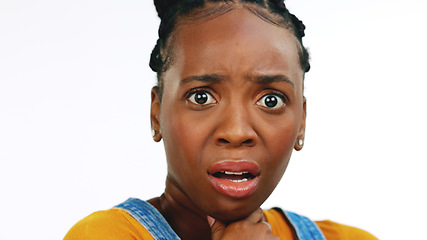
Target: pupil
270, 101
201, 98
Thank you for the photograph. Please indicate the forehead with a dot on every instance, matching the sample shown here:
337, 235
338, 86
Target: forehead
234, 42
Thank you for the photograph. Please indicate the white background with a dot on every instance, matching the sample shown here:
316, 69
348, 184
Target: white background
74, 114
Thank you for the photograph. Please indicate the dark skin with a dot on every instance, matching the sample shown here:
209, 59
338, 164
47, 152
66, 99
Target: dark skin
237, 62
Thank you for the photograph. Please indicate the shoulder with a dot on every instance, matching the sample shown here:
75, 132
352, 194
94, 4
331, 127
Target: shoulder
282, 220
109, 224
333, 230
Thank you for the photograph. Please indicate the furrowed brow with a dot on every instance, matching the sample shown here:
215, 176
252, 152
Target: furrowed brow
266, 79
208, 78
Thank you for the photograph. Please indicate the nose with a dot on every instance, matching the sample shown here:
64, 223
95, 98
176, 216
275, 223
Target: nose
235, 128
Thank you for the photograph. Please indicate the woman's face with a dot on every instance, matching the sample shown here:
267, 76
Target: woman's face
231, 113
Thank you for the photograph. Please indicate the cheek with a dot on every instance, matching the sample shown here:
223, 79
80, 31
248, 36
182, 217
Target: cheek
280, 143
184, 138
282, 140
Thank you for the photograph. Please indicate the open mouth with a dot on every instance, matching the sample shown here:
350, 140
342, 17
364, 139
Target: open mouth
237, 177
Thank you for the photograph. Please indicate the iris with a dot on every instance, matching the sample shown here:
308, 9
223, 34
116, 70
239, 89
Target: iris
270, 101
201, 97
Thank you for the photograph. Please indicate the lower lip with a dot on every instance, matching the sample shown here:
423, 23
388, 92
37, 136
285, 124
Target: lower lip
234, 189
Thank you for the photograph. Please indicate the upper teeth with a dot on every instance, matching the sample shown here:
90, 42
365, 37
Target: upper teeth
235, 173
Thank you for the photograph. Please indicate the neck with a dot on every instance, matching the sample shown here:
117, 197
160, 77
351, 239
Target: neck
183, 216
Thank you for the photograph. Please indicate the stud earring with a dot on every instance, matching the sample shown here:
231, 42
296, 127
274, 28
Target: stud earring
153, 132
300, 142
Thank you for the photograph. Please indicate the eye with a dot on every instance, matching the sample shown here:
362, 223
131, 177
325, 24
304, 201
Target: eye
271, 101
201, 98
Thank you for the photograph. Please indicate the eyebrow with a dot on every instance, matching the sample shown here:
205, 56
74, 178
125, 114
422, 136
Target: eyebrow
215, 78
207, 78
266, 79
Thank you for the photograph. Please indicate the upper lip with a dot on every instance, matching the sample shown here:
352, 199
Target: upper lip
235, 166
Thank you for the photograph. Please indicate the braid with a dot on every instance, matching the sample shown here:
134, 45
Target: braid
170, 10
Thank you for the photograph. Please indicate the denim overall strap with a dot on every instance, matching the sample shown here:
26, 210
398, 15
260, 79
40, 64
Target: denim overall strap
305, 229
150, 218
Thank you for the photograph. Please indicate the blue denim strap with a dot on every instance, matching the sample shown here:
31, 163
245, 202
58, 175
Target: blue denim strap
305, 229
150, 218
159, 228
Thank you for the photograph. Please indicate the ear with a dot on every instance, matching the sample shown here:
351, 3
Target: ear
299, 142
154, 114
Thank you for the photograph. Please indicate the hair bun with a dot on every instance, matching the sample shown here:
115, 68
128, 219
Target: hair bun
280, 4
299, 25
162, 6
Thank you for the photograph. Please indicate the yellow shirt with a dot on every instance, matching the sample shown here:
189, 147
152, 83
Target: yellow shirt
331, 230
118, 224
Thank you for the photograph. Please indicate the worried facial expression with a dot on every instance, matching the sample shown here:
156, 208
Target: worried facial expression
232, 110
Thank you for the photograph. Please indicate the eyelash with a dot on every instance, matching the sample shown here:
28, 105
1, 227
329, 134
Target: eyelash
283, 98
271, 92
192, 92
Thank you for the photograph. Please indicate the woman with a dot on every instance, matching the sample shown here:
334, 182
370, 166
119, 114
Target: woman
230, 109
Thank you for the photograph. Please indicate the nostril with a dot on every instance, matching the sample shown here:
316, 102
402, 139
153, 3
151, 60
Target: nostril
247, 142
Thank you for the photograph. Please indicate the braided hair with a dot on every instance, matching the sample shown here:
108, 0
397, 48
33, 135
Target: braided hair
171, 11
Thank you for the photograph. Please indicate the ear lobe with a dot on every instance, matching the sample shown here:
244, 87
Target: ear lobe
299, 142
154, 114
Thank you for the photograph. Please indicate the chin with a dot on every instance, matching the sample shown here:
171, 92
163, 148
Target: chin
231, 210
